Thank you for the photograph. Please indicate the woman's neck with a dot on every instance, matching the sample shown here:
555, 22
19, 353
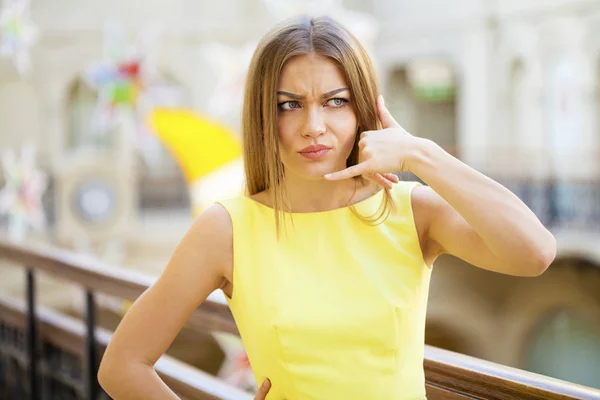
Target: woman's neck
322, 195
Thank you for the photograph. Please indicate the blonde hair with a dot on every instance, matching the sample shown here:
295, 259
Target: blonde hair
296, 37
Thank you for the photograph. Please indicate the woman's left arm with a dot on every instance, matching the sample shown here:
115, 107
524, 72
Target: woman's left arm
477, 219
469, 215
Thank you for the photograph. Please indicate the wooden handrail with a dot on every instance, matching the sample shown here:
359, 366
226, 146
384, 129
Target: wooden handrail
69, 335
212, 315
448, 375
487, 380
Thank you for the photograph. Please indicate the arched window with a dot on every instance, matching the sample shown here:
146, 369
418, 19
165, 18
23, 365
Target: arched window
566, 346
423, 99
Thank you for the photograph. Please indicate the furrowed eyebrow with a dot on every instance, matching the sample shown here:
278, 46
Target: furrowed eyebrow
299, 97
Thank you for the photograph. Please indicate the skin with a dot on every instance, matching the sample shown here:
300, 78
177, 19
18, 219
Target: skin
315, 107
482, 223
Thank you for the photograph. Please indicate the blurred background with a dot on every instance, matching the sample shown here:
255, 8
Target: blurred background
120, 121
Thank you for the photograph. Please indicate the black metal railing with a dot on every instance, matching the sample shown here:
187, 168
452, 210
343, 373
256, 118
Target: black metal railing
562, 205
57, 373
59, 360
559, 204
34, 368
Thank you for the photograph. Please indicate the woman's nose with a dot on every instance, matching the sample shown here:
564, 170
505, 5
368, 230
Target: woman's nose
314, 125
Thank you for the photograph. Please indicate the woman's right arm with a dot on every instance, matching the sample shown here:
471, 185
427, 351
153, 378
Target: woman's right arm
196, 268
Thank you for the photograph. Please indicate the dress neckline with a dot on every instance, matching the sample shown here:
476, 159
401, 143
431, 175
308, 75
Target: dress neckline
360, 203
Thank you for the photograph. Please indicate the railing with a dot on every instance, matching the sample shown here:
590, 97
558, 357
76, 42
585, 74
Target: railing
31, 339
573, 204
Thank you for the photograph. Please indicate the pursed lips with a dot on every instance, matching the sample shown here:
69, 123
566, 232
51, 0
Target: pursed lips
315, 151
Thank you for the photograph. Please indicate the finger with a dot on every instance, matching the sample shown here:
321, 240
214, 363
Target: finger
371, 178
386, 183
350, 172
391, 177
387, 121
263, 390
381, 181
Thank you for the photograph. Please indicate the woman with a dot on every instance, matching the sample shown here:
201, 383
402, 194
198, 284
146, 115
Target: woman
326, 263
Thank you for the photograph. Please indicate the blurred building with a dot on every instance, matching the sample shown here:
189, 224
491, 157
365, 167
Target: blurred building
510, 87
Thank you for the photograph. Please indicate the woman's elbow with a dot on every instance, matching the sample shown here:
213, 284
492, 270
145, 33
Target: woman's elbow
107, 374
113, 372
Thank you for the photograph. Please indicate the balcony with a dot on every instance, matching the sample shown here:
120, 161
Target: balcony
46, 354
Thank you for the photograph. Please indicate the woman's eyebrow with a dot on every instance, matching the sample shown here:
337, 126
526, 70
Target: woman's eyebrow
300, 97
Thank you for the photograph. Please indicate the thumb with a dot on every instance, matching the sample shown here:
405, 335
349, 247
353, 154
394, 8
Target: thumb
387, 121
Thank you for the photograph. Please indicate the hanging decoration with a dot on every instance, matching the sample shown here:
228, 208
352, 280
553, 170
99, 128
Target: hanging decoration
21, 195
122, 77
17, 34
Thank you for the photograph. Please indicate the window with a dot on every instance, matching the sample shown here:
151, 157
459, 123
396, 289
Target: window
566, 346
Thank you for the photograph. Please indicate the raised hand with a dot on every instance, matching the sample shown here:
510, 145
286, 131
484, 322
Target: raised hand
381, 152
263, 390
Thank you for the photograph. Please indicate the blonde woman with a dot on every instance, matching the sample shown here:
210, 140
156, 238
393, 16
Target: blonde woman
326, 262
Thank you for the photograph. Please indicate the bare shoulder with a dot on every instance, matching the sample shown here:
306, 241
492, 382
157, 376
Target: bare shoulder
216, 219
212, 232
426, 205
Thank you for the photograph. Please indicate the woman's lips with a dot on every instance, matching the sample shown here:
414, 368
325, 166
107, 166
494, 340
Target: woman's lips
315, 151
315, 155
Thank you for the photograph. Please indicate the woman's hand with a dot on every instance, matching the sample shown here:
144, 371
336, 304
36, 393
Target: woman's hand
263, 390
382, 152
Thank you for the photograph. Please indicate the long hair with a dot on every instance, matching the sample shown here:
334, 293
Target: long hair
297, 37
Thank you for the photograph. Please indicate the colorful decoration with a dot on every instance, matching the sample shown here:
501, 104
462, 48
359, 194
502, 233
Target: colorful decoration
236, 368
21, 196
121, 78
362, 25
207, 152
17, 33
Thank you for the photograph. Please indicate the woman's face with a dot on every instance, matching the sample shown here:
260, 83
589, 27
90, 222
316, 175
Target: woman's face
316, 119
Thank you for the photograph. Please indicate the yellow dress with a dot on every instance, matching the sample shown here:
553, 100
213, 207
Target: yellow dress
334, 309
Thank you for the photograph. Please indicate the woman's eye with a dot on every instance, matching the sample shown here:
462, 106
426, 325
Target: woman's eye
337, 102
289, 105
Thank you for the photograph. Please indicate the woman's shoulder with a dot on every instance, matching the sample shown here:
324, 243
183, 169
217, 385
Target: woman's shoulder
215, 224
212, 235
215, 218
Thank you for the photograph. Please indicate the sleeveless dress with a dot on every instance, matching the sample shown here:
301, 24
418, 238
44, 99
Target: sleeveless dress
335, 308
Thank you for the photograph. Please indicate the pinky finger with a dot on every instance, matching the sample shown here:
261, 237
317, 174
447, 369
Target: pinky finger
382, 181
391, 177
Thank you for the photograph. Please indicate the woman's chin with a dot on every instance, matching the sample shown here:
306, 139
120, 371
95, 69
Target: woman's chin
316, 174
314, 171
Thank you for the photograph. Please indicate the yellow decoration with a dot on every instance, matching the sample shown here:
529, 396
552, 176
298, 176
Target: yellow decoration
200, 145
209, 154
